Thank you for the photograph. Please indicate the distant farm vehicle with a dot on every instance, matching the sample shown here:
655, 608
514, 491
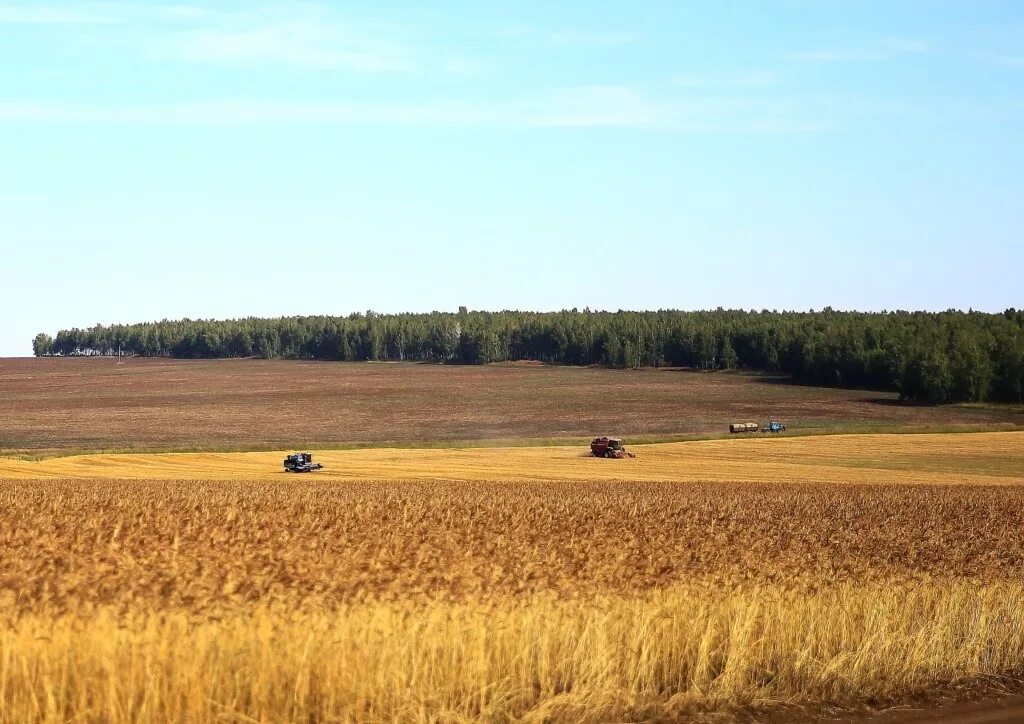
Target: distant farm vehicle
301, 463
774, 426
744, 427
609, 447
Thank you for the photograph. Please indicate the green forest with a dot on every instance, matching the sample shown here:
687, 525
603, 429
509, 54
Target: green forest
924, 356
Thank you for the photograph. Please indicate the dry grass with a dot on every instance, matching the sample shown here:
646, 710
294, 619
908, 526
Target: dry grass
680, 653
537, 584
164, 404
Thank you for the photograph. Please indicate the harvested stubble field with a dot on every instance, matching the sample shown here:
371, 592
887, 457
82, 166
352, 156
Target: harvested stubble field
709, 580
89, 403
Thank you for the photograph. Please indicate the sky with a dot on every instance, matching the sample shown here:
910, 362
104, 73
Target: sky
229, 159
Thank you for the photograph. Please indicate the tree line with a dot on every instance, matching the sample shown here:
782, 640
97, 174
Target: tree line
937, 357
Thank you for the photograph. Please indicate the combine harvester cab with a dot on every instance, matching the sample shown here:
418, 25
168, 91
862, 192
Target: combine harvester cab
609, 447
301, 463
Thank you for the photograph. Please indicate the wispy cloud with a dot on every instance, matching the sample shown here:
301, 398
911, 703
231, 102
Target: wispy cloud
295, 43
245, 112
579, 38
42, 14
887, 49
465, 66
728, 79
184, 12
300, 35
598, 105
571, 37
1012, 61
908, 45
553, 111
310, 36
577, 107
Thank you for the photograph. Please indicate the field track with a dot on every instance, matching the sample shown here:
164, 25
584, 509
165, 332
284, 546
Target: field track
987, 458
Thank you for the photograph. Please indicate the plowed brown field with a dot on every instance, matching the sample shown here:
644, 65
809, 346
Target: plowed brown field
89, 403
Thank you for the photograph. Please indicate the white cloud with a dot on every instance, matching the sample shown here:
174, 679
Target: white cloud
837, 56
580, 107
184, 12
571, 37
298, 43
907, 45
579, 38
887, 49
444, 113
41, 14
302, 35
728, 79
1013, 61
461, 65
245, 112
597, 106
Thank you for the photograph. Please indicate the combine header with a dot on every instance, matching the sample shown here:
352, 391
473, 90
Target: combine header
301, 463
609, 447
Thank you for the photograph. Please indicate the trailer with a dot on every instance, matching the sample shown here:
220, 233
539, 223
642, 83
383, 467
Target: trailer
744, 427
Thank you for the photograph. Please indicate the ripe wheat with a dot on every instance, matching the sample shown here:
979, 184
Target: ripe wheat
513, 587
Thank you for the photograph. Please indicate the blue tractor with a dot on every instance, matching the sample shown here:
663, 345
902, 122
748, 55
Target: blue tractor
774, 426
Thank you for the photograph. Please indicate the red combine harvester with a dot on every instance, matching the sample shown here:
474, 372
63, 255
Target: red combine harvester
609, 447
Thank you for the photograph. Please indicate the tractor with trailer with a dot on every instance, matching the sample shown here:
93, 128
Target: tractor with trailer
301, 463
773, 426
609, 447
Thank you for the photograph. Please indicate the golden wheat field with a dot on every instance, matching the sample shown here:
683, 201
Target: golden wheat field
708, 580
982, 458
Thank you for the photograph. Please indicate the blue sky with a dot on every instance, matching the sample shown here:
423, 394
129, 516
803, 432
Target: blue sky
230, 159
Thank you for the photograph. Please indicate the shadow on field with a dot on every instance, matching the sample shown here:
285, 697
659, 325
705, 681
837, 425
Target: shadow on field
897, 402
769, 378
787, 381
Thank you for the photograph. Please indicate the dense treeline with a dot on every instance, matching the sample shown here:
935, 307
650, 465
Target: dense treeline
928, 357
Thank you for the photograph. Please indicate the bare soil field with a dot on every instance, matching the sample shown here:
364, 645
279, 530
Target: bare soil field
91, 403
